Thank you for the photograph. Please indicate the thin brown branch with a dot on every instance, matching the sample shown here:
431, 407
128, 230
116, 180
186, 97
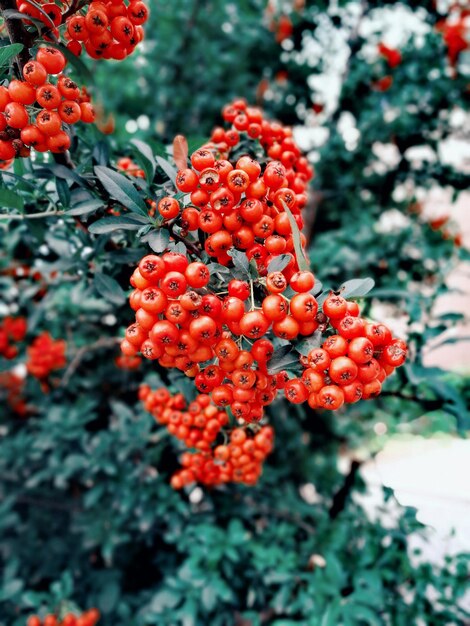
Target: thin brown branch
17, 33
107, 342
191, 247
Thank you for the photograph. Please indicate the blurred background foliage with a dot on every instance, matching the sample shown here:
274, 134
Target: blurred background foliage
86, 512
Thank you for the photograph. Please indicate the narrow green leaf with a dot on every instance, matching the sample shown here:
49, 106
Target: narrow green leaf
109, 289
146, 158
121, 189
240, 262
302, 260
82, 208
8, 52
168, 168
357, 287
110, 224
309, 343
283, 358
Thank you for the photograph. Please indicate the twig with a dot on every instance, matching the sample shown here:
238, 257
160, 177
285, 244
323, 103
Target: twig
17, 33
107, 342
189, 246
30, 216
340, 498
75, 6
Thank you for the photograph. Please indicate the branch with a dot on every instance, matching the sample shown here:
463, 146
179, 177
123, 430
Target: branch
191, 247
107, 342
341, 496
17, 33
30, 216
75, 6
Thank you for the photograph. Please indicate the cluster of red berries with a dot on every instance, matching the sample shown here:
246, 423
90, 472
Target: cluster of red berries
242, 203
190, 316
106, 30
199, 425
22, 127
12, 330
351, 364
239, 461
454, 29
127, 165
45, 355
11, 391
88, 618
184, 329
124, 362
391, 55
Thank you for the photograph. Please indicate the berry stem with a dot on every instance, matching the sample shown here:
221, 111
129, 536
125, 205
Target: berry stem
252, 296
189, 246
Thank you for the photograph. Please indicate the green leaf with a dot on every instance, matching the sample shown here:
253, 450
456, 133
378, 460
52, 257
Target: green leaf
283, 358
357, 287
240, 261
146, 157
157, 239
109, 596
109, 224
11, 199
8, 52
168, 168
302, 260
309, 343
109, 288
165, 599
279, 263
121, 189
60, 171
82, 208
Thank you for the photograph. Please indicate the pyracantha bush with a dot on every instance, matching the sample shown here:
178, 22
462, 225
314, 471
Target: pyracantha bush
253, 322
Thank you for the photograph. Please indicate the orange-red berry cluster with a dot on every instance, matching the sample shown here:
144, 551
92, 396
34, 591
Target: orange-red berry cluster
127, 165
219, 323
11, 390
199, 425
45, 355
88, 618
242, 203
22, 126
12, 330
124, 362
185, 329
239, 461
106, 30
391, 55
454, 29
351, 364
